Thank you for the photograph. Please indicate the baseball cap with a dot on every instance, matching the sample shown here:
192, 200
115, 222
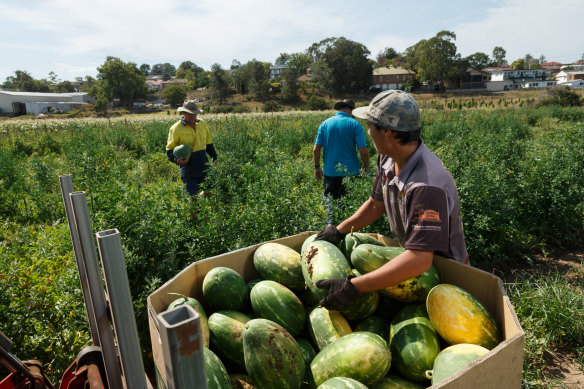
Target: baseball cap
392, 109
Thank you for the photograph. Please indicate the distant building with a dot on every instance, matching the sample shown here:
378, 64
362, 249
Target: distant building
159, 84
276, 70
505, 78
391, 78
23, 103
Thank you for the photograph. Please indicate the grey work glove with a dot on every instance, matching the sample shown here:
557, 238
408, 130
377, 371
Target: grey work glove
341, 293
331, 234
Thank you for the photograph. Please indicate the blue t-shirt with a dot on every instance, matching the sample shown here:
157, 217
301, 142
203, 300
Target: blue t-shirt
338, 136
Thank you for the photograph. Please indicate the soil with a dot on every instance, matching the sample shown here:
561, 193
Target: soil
562, 364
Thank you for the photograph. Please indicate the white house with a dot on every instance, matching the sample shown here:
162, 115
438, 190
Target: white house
22, 103
573, 83
505, 78
569, 75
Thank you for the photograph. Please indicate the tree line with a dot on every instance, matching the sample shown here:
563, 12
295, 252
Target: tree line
338, 66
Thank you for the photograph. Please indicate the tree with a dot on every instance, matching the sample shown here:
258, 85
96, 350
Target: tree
22, 81
219, 83
499, 54
174, 94
518, 64
344, 61
478, 60
118, 79
437, 58
166, 70
281, 60
385, 57
258, 74
145, 68
297, 65
411, 56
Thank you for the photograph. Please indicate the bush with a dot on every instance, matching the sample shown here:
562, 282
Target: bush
315, 103
272, 106
564, 97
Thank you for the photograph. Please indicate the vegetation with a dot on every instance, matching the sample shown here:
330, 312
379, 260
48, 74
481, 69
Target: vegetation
518, 172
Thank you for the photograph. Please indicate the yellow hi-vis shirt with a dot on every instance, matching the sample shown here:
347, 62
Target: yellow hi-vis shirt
197, 139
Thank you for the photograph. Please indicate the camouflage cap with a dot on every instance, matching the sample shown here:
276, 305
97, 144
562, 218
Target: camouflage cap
393, 109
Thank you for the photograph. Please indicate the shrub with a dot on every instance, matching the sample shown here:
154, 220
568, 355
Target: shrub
271, 106
564, 97
315, 103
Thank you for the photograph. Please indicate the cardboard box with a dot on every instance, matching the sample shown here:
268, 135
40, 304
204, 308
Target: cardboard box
500, 368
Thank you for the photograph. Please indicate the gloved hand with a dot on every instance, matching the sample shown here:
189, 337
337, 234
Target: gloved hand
331, 234
342, 293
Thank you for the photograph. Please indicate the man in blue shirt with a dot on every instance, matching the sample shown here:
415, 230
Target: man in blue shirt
339, 137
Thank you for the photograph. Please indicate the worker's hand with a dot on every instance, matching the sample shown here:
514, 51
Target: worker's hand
183, 161
318, 173
341, 293
364, 172
330, 234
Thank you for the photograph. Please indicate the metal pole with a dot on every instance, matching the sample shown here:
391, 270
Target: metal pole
182, 348
122, 310
87, 245
66, 190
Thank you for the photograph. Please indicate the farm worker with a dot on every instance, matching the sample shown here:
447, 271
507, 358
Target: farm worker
339, 137
415, 191
193, 132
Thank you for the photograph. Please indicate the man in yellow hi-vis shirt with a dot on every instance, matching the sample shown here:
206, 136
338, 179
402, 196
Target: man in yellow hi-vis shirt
193, 132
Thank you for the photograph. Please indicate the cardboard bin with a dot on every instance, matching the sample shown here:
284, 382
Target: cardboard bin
500, 368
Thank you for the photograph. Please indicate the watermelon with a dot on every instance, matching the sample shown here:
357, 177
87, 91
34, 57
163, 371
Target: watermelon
453, 359
415, 289
354, 239
363, 356
396, 382
217, 377
203, 321
272, 356
226, 331
279, 263
341, 383
182, 151
388, 307
273, 301
322, 260
241, 381
326, 326
368, 257
224, 288
413, 341
366, 304
459, 317
375, 324
308, 354
308, 240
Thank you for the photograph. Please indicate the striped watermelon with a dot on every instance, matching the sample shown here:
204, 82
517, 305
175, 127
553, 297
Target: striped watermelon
326, 326
217, 377
413, 341
279, 263
453, 359
354, 239
322, 260
363, 356
308, 240
368, 257
203, 320
365, 305
224, 288
308, 354
396, 382
375, 324
226, 330
272, 357
341, 383
460, 318
273, 301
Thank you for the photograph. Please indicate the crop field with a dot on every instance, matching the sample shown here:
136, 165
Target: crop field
519, 172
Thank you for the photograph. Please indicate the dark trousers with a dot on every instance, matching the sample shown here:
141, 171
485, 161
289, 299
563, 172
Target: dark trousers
192, 184
333, 190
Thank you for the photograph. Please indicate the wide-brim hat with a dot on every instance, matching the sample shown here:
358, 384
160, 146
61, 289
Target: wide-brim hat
393, 109
189, 106
346, 103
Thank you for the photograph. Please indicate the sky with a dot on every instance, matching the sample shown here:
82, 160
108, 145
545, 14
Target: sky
72, 39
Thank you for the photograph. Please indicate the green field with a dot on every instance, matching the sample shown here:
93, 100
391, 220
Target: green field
519, 172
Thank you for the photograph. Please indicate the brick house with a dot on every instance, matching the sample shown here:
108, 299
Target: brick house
391, 78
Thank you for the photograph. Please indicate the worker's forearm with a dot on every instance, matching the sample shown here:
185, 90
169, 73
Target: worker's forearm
364, 157
409, 264
316, 155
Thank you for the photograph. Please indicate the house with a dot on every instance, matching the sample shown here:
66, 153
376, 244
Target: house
276, 70
23, 103
159, 84
478, 79
505, 78
554, 67
304, 79
391, 78
569, 75
574, 83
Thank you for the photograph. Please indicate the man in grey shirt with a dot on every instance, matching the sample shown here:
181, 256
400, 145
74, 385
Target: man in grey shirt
415, 191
